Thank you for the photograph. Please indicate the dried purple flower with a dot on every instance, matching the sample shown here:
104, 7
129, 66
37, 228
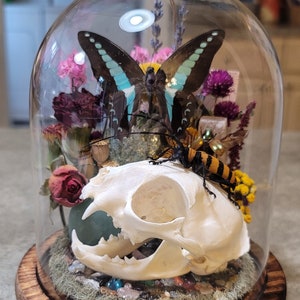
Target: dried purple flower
78, 109
95, 135
227, 109
246, 115
234, 157
218, 84
234, 153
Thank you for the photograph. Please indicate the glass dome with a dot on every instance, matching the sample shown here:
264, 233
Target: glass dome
161, 120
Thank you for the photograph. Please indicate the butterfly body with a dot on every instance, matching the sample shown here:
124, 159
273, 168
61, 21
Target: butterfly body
167, 92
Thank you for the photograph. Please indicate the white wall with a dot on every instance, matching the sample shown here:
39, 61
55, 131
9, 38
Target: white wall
25, 25
4, 114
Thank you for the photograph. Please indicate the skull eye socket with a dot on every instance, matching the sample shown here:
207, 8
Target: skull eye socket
160, 200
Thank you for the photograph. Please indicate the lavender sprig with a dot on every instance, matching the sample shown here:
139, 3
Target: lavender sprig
158, 14
180, 28
155, 43
158, 10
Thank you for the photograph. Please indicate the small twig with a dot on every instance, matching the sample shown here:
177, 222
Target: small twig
62, 215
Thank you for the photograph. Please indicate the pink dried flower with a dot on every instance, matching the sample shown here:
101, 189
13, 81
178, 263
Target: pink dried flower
76, 72
218, 84
162, 55
140, 54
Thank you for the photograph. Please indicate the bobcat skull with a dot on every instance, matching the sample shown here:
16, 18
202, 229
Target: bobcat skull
199, 233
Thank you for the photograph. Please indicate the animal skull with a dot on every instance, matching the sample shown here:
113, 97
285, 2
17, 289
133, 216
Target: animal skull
199, 233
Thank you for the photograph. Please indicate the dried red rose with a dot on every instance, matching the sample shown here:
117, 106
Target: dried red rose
53, 132
65, 185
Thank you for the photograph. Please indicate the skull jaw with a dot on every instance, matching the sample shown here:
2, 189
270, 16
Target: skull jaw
152, 267
167, 261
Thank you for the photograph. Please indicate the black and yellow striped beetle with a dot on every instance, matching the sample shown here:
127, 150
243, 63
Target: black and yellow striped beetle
202, 163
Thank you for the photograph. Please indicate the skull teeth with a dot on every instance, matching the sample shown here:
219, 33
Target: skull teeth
118, 260
129, 260
111, 239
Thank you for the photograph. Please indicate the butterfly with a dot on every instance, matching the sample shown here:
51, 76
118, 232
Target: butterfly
168, 92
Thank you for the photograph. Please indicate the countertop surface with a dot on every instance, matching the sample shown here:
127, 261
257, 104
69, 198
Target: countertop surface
17, 233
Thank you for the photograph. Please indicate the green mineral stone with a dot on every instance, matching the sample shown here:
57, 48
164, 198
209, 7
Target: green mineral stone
90, 230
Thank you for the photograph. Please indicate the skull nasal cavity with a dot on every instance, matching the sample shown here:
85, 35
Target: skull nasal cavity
160, 200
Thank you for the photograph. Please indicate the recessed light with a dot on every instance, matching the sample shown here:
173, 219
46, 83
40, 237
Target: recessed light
136, 20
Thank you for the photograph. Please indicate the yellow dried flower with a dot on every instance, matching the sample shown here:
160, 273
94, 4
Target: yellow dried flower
253, 189
248, 218
237, 188
238, 173
237, 180
244, 189
243, 209
250, 198
247, 180
244, 193
247, 210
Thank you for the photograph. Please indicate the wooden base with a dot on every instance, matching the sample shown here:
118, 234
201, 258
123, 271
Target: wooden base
30, 285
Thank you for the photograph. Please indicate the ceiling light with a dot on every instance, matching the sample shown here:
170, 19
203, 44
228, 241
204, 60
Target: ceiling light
136, 20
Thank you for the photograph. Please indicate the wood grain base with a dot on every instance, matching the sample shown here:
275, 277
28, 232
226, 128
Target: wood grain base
31, 285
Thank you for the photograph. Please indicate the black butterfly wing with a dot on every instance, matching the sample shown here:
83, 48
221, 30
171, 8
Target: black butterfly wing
185, 70
109, 61
189, 65
115, 69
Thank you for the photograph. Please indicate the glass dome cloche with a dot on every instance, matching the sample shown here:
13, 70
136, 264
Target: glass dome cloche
155, 128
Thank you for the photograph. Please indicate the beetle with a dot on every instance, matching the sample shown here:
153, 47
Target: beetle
202, 163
